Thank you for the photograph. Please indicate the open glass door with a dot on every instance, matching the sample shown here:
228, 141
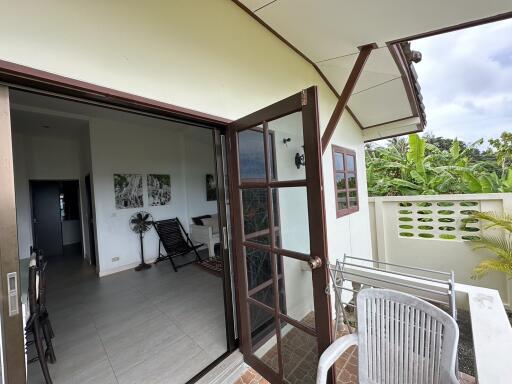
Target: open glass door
280, 238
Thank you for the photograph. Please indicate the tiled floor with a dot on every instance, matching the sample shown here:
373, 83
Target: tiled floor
154, 326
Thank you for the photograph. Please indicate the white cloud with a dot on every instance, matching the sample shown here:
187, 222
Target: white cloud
466, 80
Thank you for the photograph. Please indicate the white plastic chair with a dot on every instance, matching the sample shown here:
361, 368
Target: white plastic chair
400, 339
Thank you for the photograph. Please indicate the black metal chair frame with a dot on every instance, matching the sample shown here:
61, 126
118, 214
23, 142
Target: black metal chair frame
175, 242
38, 323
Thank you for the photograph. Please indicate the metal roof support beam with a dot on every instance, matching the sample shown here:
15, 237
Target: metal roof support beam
364, 53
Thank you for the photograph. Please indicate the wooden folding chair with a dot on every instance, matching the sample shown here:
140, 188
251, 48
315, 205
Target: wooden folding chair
175, 242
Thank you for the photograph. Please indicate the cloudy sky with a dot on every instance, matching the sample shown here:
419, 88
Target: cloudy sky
466, 81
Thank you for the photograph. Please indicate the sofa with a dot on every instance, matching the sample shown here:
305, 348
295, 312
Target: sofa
205, 229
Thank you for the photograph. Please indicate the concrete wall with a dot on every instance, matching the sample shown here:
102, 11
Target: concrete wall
390, 244
205, 55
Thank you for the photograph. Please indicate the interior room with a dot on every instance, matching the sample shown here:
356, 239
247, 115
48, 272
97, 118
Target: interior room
98, 192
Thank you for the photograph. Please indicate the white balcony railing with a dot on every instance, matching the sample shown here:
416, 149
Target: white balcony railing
435, 232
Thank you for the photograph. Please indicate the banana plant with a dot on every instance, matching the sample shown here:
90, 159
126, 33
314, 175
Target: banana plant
421, 168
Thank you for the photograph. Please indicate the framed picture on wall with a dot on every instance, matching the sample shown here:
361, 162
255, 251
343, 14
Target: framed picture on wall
159, 190
211, 188
128, 190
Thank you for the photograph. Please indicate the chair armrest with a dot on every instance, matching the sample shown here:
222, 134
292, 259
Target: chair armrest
332, 354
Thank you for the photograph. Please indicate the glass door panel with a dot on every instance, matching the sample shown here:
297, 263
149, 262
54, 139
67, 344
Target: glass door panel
264, 343
286, 140
300, 354
296, 290
252, 155
290, 206
255, 214
279, 231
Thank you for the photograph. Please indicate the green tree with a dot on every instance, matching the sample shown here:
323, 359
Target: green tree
434, 165
503, 148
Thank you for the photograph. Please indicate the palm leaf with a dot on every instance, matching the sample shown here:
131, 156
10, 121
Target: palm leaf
490, 265
496, 220
500, 245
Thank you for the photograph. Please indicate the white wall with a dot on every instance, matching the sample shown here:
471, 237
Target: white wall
348, 234
199, 161
144, 146
85, 169
40, 158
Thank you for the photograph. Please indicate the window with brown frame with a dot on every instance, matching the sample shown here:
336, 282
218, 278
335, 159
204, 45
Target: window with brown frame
345, 181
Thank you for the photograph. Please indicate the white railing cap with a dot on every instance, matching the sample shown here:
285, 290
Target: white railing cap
457, 197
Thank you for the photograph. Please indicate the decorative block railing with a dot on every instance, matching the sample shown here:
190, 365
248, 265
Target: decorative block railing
438, 219
435, 232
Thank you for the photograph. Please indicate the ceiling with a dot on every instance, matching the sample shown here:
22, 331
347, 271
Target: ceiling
41, 115
329, 32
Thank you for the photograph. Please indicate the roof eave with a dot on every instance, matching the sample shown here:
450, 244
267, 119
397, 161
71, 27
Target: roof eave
410, 81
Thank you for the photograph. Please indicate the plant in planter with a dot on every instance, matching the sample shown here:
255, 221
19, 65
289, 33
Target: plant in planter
500, 244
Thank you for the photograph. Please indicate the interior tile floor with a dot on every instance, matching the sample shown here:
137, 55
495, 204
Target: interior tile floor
154, 326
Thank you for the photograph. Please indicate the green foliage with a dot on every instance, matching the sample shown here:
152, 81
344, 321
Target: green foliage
433, 165
500, 244
503, 148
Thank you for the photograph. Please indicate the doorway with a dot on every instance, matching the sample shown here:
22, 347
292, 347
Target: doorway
171, 324
55, 216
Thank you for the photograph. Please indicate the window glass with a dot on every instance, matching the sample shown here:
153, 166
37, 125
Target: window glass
345, 179
338, 161
349, 159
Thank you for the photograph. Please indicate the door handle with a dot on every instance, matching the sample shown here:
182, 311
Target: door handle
315, 262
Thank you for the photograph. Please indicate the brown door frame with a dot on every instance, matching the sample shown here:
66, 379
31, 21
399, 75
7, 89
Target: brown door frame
227, 257
12, 326
307, 102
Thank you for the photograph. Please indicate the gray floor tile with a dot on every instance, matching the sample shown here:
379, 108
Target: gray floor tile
175, 364
156, 326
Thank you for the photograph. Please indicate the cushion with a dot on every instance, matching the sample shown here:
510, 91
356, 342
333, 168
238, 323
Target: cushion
213, 223
199, 219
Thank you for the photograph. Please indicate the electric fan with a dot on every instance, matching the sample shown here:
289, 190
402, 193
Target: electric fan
140, 223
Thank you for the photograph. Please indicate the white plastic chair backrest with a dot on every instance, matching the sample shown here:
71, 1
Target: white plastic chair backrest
403, 339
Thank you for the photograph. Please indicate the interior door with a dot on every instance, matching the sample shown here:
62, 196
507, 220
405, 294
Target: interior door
280, 238
46, 217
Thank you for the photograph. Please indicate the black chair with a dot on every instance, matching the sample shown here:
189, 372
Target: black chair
34, 325
44, 317
175, 241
